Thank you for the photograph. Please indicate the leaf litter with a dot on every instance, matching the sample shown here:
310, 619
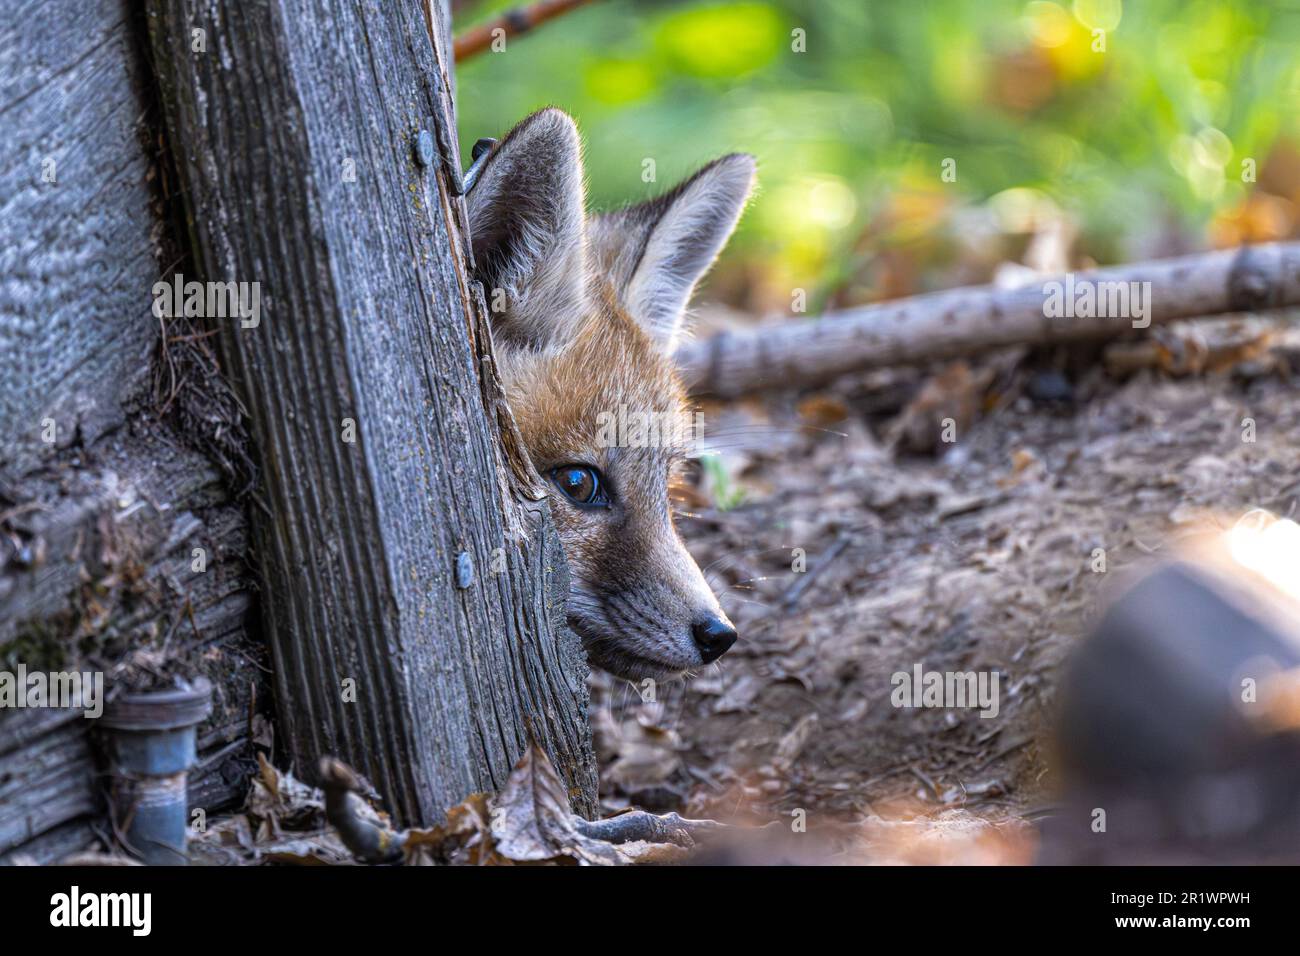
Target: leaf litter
528, 823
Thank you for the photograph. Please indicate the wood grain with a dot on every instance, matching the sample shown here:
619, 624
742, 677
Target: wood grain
367, 317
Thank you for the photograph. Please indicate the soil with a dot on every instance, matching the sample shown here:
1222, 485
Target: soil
989, 553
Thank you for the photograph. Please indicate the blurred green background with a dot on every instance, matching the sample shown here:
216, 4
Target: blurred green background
1065, 154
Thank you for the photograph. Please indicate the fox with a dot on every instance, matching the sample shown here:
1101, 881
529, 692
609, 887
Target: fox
587, 311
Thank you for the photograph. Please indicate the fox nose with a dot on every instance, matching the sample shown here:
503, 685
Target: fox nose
713, 636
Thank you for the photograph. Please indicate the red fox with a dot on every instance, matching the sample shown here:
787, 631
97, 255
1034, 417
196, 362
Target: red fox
586, 312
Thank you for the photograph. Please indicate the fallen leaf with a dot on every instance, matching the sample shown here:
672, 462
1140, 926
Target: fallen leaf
792, 744
532, 822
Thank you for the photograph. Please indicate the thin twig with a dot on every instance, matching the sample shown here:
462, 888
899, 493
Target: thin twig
511, 23
806, 580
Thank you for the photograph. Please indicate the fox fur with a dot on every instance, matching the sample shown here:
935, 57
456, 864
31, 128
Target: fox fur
588, 310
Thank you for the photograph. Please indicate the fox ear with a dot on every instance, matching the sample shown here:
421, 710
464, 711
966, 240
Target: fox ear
526, 224
655, 252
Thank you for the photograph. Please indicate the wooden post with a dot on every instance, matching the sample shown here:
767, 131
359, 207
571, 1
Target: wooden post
412, 581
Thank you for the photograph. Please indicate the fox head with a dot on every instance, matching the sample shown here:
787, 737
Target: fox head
586, 312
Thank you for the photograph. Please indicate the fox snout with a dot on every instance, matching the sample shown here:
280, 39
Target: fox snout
714, 636
637, 598
659, 620
587, 313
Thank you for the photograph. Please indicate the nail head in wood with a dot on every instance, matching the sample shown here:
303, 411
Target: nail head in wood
424, 148
464, 570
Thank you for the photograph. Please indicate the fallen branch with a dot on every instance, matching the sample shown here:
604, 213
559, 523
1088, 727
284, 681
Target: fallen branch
511, 23
966, 321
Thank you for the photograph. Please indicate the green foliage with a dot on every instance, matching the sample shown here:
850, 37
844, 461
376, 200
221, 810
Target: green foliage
727, 494
1128, 143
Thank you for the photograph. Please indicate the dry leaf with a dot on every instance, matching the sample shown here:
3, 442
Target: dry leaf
282, 801
532, 822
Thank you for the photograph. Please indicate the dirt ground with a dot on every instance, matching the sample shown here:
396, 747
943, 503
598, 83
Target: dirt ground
849, 541
977, 554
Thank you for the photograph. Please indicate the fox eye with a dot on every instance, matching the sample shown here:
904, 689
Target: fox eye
581, 484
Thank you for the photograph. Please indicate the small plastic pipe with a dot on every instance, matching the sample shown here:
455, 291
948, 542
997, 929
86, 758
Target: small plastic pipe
150, 746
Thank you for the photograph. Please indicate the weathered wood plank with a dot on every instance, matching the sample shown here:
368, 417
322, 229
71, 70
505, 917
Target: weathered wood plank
114, 590
48, 775
298, 127
51, 846
97, 528
77, 254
